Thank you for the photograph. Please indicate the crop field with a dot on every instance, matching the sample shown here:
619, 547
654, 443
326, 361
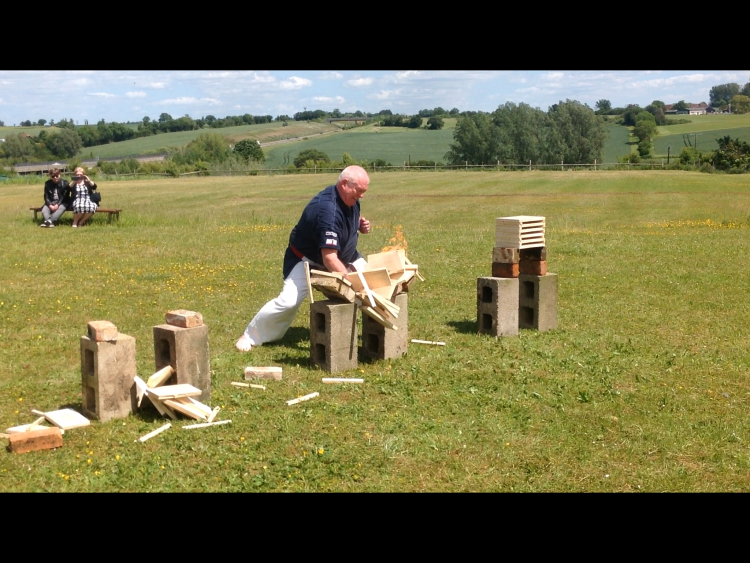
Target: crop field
643, 385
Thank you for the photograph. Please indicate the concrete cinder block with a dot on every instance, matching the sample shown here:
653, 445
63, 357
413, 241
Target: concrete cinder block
186, 350
333, 335
108, 373
497, 306
102, 331
537, 301
385, 343
501, 270
184, 318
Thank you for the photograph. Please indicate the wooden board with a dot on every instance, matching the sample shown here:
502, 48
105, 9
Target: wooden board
186, 409
24, 428
271, 372
307, 279
65, 418
520, 231
393, 261
335, 275
373, 278
333, 288
175, 391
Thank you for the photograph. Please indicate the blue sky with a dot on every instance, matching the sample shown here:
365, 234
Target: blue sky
131, 95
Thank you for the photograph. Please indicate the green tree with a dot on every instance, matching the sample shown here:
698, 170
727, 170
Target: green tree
474, 140
249, 149
41, 122
435, 123
681, 106
311, 155
18, 148
206, 147
745, 90
721, 95
415, 122
580, 133
740, 104
64, 144
603, 106
629, 115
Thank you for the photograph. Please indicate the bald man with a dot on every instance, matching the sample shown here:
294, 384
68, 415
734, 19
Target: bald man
326, 236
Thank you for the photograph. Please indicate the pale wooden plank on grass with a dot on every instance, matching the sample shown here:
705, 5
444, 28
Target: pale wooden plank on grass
160, 377
150, 435
186, 409
206, 424
161, 407
342, 380
428, 342
65, 418
301, 399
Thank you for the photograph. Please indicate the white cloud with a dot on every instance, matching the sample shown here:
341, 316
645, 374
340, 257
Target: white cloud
101, 94
135, 94
386, 94
189, 100
554, 75
263, 77
407, 74
359, 82
331, 75
338, 99
156, 85
295, 83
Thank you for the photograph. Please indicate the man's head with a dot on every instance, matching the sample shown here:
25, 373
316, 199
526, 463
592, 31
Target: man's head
54, 175
352, 184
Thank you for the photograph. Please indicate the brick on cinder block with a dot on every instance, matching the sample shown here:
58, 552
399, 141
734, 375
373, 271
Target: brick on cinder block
184, 318
505, 255
186, 350
497, 306
333, 335
537, 301
108, 371
44, 439
384, 343
533, 268
102, 331
500, 270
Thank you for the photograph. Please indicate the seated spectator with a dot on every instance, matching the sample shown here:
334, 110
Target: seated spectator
81, 188
57, 198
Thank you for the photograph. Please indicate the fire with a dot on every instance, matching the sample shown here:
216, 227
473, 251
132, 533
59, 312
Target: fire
397, 241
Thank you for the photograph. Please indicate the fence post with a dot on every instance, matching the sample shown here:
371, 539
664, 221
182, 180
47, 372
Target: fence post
466, 163
562, 167
594, 164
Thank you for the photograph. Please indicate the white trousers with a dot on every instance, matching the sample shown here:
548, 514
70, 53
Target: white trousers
276, 316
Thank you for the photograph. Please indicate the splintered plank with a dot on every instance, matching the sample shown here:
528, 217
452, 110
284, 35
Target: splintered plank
160, 377
324, 274
271, 372
373, 279
307, 279
408, 263
385, 292
163, 409
341, 380
301, 399
392, 260
175, 391
206, 424
24, 428
333, 288
159, 430
186, 409
377, 317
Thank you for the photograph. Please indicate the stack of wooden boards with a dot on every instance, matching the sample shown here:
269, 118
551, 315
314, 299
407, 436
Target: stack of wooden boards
169, 399
386, 275
521, 231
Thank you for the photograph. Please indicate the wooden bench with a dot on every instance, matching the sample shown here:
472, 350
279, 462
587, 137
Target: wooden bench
111, 212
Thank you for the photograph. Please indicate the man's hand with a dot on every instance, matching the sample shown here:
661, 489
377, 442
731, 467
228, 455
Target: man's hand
364, 226
53, 207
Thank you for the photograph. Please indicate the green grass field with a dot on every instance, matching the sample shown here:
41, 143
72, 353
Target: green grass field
642, 387
707, 127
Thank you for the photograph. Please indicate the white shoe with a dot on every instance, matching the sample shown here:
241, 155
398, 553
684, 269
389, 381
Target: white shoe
243, 344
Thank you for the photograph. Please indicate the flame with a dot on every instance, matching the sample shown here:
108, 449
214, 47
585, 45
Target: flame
397, 241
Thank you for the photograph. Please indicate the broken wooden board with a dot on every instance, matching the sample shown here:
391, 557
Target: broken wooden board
41, 439
307, 279
159, 430
250, 385
373, 279
187, 409
174, 391
341, 380
301, 399
408, 263
271, 372
325, 274
393, 260
206, 424
65, 418
25, 428
428, 342
160, 377
333, 288
163, 409
386, 291
377, 317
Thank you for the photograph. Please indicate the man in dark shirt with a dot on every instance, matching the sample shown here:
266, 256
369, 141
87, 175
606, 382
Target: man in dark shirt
326, 236
56, 198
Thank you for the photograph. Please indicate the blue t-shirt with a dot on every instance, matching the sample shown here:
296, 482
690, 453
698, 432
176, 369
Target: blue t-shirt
326, 222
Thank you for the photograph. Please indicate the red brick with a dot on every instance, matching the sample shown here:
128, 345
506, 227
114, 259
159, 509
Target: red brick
102, 331
500, 270
44, 439
505, 255
184, 318
536, 254
534, 268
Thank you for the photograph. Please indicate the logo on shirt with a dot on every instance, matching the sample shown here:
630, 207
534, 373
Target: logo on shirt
331, 241
330, 234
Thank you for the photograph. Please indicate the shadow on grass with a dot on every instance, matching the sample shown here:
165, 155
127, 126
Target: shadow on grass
465, 327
